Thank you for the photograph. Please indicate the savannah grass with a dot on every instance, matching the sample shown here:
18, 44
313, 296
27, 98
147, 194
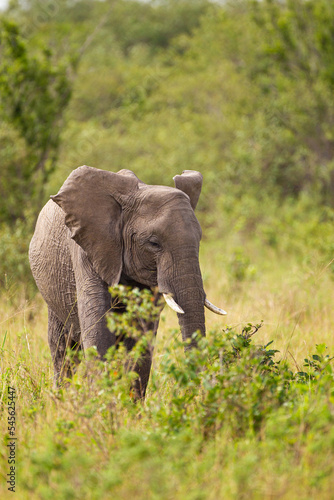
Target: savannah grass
234, 420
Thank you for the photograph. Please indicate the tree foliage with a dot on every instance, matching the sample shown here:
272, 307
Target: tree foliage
241, 91
34, 94
295, 69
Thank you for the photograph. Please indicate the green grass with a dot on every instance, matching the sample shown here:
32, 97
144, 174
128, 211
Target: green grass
252, 434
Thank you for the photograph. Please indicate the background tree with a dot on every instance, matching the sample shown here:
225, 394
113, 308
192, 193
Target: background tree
295, 70
241, 91
35, 92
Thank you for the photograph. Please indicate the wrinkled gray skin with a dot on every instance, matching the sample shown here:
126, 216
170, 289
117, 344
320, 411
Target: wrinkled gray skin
105, 228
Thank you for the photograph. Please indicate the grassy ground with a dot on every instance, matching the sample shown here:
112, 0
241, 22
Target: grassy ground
91, 441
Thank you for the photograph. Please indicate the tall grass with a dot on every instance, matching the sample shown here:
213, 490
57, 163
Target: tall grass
230, 431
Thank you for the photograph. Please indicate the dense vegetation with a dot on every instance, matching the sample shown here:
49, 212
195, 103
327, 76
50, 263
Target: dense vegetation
241, 91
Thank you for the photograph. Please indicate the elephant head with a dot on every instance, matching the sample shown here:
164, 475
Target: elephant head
141, 234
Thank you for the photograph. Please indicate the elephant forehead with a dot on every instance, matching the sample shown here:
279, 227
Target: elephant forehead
161, 197
167, 208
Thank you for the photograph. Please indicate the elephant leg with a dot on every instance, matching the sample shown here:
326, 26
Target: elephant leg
94, 302
59, 340
143, 368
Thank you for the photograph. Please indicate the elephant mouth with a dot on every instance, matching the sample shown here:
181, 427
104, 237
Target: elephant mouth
175, 306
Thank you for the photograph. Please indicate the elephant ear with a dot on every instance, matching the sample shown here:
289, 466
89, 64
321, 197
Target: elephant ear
190, 182
129, 173
92, 200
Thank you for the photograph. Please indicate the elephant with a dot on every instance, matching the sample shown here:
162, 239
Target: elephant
102, 229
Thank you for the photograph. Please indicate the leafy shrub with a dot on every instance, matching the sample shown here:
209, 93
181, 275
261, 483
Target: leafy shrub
134, 312
226, 381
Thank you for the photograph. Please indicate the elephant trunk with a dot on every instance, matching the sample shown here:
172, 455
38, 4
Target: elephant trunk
193, 319
187, 291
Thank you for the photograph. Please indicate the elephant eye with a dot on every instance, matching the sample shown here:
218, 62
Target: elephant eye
154, 244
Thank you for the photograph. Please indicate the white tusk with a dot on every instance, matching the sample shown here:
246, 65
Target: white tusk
213, 308
172, 304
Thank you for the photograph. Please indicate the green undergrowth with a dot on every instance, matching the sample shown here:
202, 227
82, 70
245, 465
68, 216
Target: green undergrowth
231, 419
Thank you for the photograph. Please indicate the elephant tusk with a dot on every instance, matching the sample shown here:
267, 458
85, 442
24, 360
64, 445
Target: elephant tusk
213, 308
172, 304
